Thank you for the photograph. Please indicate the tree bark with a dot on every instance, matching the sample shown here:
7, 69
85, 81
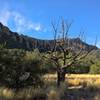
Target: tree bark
60, 77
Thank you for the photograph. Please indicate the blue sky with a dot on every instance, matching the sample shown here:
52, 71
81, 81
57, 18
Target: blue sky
33, 17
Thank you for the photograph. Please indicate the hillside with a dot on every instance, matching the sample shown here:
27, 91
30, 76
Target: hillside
14, 40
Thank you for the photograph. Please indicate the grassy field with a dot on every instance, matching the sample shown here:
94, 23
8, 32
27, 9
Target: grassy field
74, 76
76, 87
77, 79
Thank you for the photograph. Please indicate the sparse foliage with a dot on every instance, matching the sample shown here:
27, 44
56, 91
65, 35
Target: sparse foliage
62, 54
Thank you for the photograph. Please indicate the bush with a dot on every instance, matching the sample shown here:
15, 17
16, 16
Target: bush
19, 68
78, 69
95, 68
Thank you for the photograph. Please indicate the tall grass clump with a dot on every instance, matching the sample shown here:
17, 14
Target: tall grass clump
57, 93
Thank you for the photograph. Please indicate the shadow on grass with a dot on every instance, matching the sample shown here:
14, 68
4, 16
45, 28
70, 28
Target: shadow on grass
72, 93
87, 93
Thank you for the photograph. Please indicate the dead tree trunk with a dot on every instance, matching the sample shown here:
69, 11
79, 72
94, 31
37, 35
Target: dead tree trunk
60, 77
63, 52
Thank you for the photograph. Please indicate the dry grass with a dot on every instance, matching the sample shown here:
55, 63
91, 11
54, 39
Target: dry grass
22, 94
74, 82
76, 79
79, 86
83, 76
88, 82
53, 95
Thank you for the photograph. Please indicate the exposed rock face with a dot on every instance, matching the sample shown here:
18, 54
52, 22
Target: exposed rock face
14, 40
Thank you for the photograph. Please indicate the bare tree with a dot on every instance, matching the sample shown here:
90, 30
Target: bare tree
62, 54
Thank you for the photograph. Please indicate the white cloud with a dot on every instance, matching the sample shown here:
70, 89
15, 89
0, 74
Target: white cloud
4, 16
21, 23
98, 44
35, 26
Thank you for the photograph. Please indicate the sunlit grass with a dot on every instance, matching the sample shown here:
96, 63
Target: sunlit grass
6, 93
74, 76
76, 79
86, 81
22, 94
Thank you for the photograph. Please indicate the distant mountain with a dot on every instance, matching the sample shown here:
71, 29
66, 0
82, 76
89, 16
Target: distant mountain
14, 40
